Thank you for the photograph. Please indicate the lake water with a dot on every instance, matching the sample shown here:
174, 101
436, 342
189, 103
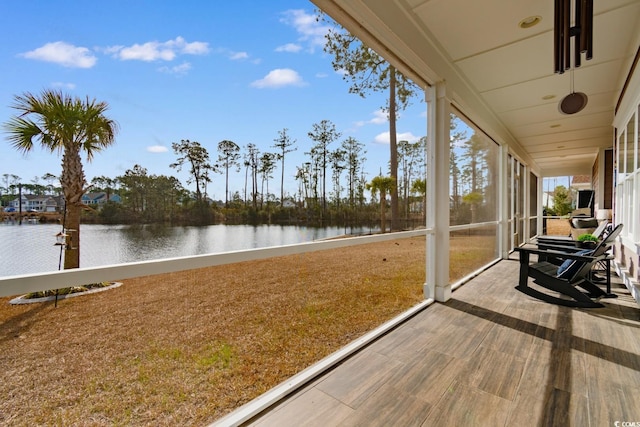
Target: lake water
29, 248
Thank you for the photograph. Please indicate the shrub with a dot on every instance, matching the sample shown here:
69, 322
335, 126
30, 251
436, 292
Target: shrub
587, 238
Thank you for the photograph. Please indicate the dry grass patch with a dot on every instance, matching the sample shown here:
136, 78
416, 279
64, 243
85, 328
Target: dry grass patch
186, 348
470, 250
558, 227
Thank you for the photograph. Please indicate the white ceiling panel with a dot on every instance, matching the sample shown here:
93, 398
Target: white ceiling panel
549, 114
558, 137
589, 78
466, 28
572, 123
528, 60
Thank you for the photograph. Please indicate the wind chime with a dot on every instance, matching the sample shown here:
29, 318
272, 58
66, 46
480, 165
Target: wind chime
582, 33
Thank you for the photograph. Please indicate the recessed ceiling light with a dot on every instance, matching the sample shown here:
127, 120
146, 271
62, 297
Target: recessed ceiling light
547, 97
557, 125
530, 21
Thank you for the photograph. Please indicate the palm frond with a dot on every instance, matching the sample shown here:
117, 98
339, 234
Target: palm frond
21, 132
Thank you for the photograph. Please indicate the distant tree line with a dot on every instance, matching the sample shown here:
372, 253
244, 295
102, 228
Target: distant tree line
331, 184
332, 187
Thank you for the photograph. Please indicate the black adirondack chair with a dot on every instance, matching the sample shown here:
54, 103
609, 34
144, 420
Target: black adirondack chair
567, 278
599, 232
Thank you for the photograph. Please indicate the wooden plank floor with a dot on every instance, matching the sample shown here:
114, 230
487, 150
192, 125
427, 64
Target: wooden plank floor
491, 356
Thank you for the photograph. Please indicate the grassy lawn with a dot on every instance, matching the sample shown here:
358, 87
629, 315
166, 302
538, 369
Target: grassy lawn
558, 227
186, 348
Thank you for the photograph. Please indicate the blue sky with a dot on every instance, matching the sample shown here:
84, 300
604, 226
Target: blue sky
199, 70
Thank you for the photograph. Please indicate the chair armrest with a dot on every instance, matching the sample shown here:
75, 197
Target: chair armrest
559, 254
559, 242
563, 239
560, 248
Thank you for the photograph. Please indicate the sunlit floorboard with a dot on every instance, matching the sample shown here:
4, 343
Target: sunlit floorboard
490, 356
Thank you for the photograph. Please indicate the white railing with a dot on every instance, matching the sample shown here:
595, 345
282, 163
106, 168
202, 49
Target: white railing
22, 284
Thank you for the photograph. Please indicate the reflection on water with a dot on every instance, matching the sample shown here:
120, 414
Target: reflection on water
29, 248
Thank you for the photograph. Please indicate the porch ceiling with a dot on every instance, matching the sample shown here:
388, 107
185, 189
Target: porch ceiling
503, 74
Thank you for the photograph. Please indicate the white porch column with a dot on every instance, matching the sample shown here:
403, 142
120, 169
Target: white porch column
504, 210
600, 189
526, 212
540, 209
438, 285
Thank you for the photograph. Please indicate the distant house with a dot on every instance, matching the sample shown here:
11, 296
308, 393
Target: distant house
547, 198
51, 205
32, 202
581, 182
99, 198
288, 203
584, 195
15, 203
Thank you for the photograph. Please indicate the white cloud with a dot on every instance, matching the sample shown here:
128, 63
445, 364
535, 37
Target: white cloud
193, 48
380, 117
383, 138
150, 51
280, 77
110, 50
289, 47
238, 55
310, 30
178, 69
154, 51
157, 149
322, 75
64, 54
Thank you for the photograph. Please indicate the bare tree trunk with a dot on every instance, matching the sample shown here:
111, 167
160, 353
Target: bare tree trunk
246, 176
383, 208
254, 183
226, 184
282, 183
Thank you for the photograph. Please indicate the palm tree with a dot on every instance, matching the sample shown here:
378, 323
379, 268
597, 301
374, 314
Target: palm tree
385, 185
66, 125
420, 186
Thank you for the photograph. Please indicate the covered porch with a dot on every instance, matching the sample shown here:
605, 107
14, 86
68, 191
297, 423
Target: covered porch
488, 356
494, 93
482, 353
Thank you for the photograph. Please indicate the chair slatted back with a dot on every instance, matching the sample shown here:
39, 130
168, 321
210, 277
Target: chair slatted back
574, 269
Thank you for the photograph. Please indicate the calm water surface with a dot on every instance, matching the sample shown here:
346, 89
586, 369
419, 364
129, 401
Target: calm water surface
29, 248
